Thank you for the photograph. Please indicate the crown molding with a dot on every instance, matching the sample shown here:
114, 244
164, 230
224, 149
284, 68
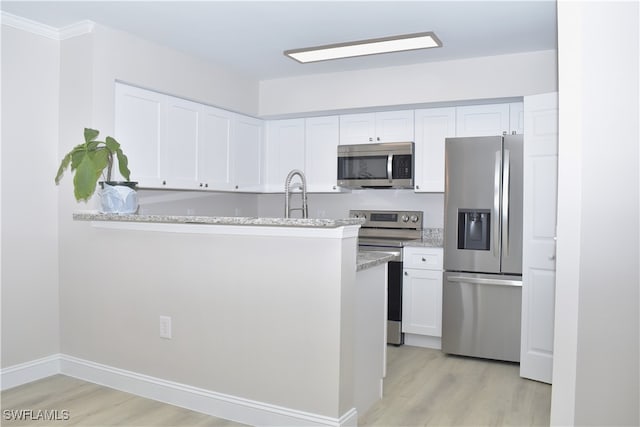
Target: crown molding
34, 27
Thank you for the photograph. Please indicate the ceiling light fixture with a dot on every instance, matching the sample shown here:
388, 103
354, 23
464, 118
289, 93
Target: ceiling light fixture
365, 47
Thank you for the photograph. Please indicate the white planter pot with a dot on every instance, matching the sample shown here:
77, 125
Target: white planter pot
118, 197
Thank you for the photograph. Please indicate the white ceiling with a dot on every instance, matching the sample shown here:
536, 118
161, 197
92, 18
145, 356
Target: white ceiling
250, 36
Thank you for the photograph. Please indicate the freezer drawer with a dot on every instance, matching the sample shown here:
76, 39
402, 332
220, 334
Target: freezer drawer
481, 315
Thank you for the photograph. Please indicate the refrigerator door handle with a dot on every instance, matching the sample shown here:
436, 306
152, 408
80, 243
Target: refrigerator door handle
481, 281
505, 202
496, 205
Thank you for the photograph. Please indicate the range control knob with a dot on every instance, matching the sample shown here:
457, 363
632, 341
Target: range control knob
414, 218
405, 218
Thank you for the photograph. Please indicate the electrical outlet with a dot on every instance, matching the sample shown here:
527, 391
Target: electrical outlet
165, 327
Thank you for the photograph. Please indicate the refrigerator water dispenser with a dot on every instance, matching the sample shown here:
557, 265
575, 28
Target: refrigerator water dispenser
474, 228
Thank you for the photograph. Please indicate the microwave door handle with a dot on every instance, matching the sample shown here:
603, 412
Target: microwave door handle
390, 167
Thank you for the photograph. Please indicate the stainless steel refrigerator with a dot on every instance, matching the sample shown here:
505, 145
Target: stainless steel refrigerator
482, 286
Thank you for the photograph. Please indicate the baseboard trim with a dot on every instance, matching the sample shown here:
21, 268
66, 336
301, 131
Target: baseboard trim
196, 399
205, 401
423, 341
27, 372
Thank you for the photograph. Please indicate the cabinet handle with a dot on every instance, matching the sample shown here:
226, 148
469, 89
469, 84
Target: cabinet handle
423, 259
164, 182
236, 187
334, 187
406, 273
417, 187
378, 138
206, 186
200, 185
370, 139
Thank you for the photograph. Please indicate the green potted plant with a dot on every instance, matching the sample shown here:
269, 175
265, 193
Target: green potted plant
93, 159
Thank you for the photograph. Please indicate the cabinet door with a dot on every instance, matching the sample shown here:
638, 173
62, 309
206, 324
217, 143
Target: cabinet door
321, 148
422, 302
285, 147
247, 153
181, 156
432, 126
394, 126
482, 120
516, 117
139, 128
215, 149
357, 128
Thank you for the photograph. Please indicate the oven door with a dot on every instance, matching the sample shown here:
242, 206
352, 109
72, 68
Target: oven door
394, 293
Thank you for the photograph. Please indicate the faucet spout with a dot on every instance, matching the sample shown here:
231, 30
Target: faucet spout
287, 195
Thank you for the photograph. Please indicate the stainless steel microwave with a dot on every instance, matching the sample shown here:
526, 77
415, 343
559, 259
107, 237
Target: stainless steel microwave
381, 165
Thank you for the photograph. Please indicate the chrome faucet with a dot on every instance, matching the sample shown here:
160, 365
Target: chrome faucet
287, 188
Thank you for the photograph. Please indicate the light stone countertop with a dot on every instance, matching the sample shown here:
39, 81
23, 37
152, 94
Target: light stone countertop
431, 238
371, 259
219, 220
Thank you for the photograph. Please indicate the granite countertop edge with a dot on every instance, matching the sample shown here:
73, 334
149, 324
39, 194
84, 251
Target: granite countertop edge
219, 220
371, 259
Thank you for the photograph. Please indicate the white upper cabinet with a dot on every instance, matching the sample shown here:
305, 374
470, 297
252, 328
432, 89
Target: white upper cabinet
432, 126
285, 151
388, 126
247, 153
140, 118
178, 144
215, 149
181, 157
516, 117
322, 136
490, 119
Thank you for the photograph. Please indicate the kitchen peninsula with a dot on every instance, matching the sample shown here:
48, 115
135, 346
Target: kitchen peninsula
272, 321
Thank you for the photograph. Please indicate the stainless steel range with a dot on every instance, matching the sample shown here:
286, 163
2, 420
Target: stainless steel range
388, 231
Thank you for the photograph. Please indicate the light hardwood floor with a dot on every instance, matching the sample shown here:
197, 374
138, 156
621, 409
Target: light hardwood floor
423, 387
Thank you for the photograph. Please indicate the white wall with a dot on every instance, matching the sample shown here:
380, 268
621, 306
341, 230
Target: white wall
30, 73
500, 76
596, 365
252, 315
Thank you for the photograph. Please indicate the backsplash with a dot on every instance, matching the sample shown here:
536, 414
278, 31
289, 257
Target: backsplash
321, 205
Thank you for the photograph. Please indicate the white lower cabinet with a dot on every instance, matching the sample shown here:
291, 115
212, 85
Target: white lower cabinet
422, 296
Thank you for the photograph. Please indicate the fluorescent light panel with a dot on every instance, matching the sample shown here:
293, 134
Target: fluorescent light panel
365, 47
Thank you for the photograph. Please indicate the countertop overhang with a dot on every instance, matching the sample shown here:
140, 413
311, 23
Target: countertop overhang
219, 220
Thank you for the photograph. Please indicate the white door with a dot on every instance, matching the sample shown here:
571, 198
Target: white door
539, 230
